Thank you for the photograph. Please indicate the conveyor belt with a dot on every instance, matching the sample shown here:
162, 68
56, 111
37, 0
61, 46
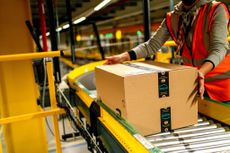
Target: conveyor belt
200, 138
205, 137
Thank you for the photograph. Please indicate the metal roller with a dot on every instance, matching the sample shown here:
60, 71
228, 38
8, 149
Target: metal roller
193, 129
200, 123
200, 120
207, 145
225, 147
213, 149
203, 137
208, 137
193, 139
185, 135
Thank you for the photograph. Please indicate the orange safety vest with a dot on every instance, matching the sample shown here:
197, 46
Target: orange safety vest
217, 81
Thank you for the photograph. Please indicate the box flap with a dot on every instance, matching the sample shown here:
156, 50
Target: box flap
137, 68
168, 66
147, 67
117, 69
124, 70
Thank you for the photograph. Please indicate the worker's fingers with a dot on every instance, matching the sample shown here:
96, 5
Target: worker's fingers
106, 62
202, 94
113, 59
201, 88
109, 60
201, 84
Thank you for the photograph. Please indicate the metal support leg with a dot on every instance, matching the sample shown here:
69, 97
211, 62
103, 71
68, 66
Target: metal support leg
172, 48
53, 38
33, 34
43, 24
98, 41
53, 103
147, 21
71, 33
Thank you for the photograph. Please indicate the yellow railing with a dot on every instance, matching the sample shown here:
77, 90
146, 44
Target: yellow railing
18, 118
26, 56
54, 111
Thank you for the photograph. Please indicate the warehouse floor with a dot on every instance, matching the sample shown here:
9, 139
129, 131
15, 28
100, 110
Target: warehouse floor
72, 145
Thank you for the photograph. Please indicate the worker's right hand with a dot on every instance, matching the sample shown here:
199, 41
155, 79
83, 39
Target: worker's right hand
115, 59
201, 84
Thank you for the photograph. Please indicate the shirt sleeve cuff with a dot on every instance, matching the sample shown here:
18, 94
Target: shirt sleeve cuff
132, 55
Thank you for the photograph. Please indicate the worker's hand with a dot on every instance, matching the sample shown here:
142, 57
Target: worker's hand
201, 84
115, 59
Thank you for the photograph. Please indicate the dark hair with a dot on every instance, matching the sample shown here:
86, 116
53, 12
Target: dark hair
188, 2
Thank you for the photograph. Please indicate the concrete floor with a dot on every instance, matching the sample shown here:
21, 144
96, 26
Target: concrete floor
77, 146
72, 145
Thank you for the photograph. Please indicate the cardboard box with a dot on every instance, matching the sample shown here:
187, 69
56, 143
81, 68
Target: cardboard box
153, 97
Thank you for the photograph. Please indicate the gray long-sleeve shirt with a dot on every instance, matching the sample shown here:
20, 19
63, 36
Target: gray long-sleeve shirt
215, 42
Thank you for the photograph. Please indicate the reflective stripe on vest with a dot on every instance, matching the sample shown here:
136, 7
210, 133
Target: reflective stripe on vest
225, 75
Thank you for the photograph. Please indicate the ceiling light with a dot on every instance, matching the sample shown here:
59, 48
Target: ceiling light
48, 33
79, 20
102, 4
58, 29
65, 26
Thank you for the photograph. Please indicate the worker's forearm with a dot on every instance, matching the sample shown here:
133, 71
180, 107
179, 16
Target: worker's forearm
125, 56
154, 43
206, 67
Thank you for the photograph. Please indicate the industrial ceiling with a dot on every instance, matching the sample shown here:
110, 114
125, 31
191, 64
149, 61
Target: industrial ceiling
116, 13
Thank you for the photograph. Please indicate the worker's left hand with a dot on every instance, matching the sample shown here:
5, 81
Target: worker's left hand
201, 84
116, 59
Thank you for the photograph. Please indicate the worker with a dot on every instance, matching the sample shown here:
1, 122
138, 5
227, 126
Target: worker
200, 29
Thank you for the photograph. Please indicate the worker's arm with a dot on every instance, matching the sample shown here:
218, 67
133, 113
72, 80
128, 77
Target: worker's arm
204, 69
154, 43
145, 49
218, 45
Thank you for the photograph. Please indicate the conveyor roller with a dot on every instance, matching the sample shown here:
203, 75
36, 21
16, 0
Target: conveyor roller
202, 137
